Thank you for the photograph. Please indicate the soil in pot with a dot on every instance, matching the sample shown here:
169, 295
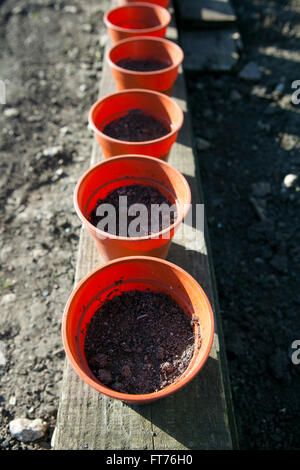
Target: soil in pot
148, 196
136, 126
139, 342
139, 65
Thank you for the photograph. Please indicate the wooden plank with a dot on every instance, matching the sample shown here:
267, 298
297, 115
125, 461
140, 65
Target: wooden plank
210, 51
205, 13
199, 416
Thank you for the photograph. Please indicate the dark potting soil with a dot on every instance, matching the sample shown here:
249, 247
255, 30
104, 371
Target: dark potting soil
138, 65
139, 342
153, 222
136, 126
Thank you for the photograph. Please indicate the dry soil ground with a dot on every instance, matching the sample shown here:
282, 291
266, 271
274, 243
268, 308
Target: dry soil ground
50, 60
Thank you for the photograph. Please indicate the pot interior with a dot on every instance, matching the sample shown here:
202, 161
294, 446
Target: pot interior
146, 49
157, 105
136, 17
116, 289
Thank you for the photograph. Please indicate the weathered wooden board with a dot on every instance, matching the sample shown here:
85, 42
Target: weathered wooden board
210, 51
205, 13
198, 417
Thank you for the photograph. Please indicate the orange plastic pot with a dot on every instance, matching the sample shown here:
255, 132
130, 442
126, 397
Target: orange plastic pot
126, 170
124, 275
144, 48
161, 3
136, 19
151, 102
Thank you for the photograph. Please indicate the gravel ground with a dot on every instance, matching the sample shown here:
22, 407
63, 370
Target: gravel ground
50, 59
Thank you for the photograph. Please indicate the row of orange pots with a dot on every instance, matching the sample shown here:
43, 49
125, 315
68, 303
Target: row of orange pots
136, 262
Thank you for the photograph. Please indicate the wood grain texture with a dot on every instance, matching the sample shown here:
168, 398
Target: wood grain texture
197, 417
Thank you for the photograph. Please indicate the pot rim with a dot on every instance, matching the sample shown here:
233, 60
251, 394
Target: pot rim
133, 143
170, 228
127, 397
150, 39
153, 6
